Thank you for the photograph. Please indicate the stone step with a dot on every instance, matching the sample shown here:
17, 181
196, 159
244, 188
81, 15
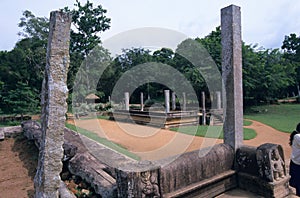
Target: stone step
239, 193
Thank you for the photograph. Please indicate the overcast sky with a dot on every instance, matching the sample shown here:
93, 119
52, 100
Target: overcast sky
264, 22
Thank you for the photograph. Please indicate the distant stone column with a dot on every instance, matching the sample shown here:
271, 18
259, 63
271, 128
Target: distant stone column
203, 108
54, 107
173, 101
232, 75
167, 100
126, 94
184, 101
142, 101
218, 98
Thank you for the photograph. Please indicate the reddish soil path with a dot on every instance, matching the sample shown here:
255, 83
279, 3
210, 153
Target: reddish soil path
152, 143
267, 134
18, 163
149, 143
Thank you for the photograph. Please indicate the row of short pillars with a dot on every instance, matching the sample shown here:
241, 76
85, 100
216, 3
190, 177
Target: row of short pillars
173, 101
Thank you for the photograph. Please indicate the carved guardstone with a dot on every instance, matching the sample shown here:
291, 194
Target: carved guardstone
270, 161
138, 180
54, 94
262, 170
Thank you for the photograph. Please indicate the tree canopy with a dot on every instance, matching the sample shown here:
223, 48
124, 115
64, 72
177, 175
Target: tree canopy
268, 74
22, 69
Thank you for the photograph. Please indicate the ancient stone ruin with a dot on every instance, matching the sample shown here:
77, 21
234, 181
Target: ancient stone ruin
54, 107
205, 173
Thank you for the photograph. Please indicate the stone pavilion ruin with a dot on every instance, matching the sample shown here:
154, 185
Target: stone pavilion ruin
221, 168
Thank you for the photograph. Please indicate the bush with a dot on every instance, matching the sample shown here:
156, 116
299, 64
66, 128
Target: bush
149, 103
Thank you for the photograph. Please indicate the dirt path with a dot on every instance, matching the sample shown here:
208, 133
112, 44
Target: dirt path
152, 143
18, 161
149, 143
267, 134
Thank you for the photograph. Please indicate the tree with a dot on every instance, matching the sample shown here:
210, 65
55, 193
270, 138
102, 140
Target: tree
291, 47
22, 99
89, 22
212, 43
34, 27
24, 65
266, 73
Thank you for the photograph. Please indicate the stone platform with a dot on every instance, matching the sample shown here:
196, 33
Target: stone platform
157, 119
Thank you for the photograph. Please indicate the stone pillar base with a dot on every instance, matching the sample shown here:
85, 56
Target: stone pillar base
261, 187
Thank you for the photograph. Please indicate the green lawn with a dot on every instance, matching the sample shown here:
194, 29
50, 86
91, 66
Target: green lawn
212, 131
283, 117
103, 141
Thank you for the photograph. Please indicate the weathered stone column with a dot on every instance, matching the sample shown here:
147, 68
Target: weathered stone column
218, 98
184, 101
167, 100
126, 94
173, 101
54, 107
232, 75
203, 108
142, 101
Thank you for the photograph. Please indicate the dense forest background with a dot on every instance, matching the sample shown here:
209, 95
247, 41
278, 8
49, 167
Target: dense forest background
268, 74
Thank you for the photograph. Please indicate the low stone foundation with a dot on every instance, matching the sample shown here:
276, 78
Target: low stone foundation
157, 119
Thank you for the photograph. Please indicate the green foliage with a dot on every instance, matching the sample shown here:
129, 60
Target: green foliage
22, 99
87, 77
103, 107
34, 27
10, 123
212, 43
24, 65
21, 76
267, 74
88, 21
291, 47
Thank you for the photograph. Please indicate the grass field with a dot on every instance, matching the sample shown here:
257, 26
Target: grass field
213, 131
283, 117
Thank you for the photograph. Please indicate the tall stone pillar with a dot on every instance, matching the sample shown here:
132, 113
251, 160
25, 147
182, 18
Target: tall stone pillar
232, 75
203, 108
184, 101
54, 107
173, 101
167, 100
142, 101
126, 94
218, 98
